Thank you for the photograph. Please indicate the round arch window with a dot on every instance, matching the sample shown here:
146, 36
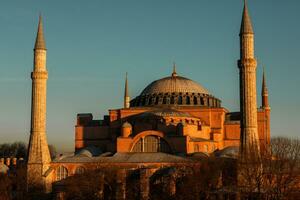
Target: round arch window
61, 173
151, 143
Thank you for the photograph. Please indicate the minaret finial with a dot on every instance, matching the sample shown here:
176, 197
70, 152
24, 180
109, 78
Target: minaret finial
126, 93
246, 25
40, 40
174, 70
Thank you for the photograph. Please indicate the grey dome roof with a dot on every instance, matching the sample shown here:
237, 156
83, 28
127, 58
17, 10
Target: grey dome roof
126, 125
174, 84
175, 90
228, 152
89, 151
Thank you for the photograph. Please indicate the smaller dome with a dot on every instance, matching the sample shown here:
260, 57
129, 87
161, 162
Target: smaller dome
89, 151
126, 125
228, 152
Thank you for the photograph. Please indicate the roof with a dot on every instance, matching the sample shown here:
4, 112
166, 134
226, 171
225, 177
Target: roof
246, 25
40, 40
126, 125
228, 152
174, 84
126, 158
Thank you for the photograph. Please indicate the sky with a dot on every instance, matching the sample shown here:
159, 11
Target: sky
92, 44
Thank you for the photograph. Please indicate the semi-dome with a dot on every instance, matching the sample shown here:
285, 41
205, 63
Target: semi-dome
175, 90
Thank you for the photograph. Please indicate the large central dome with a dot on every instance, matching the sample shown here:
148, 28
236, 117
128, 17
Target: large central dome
175, 90
174, 84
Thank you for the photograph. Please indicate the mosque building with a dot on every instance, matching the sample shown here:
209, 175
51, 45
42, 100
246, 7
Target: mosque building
171, 120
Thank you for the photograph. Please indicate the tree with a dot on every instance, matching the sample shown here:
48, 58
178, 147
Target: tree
16, 149
282, 168
275, 175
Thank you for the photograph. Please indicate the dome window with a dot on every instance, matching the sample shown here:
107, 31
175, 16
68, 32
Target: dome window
165, 100
180, 100
172, 100
188, 100
195, 101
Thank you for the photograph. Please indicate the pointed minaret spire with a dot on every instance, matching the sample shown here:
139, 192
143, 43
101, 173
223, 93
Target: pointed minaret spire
264, 92
174, 73
246, 25
126, 94
40, 41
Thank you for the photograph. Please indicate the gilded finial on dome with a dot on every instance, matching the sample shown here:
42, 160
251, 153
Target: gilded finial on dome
174, 74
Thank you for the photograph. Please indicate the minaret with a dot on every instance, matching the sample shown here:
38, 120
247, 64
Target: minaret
126, 94
38, 151
264, 93
248, 102
267, 111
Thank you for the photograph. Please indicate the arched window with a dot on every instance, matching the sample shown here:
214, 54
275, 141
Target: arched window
180, 100
195, 101
151, 143
156, 100
201, 101
61, 173
188, 100
165, 100
172, 100
80, 170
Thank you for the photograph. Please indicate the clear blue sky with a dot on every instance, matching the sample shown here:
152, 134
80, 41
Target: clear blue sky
91, 44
